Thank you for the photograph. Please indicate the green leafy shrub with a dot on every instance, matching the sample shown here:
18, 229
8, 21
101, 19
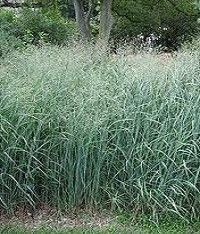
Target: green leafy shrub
37, 26
7, 19
9, 43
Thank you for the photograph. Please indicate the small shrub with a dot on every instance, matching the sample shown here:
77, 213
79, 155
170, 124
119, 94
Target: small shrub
35, 25
9, 43
7, 20
32, 27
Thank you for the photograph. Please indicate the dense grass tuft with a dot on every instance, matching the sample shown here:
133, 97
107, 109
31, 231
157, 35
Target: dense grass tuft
77, 130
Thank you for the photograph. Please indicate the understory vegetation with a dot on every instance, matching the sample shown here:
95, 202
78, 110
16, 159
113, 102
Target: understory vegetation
78, 130
28, 27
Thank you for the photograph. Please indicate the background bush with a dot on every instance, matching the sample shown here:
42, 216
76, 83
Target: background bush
9, 43
51, 28
34, 27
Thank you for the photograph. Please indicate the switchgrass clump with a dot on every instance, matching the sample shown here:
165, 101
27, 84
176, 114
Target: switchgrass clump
79, 131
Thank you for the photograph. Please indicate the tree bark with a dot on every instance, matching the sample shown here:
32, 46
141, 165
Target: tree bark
81, 20
106, 21
89, 14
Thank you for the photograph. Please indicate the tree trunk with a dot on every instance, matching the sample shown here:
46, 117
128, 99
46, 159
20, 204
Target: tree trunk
106, 21
89, 14
81, 21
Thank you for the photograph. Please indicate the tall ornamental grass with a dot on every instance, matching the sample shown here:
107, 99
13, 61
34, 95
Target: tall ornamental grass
81, 131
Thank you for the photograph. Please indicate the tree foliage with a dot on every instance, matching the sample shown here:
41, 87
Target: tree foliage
173, 21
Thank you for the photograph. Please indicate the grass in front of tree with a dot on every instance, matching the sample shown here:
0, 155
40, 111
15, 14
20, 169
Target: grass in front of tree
78, 130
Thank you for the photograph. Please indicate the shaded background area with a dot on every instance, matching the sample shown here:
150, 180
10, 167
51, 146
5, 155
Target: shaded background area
170, 22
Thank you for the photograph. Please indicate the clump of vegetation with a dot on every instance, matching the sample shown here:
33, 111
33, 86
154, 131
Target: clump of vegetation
9, 43
49, 27
33, 27
173, 22
80, 131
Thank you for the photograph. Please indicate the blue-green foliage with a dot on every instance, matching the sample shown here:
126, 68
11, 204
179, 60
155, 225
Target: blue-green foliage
77, 131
